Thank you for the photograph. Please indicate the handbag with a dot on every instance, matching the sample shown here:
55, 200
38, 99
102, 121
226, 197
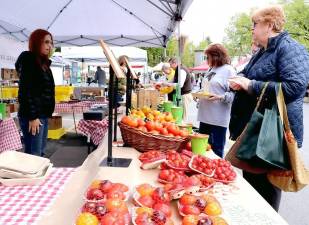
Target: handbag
260, 147
298, 177
231, 154
264, 144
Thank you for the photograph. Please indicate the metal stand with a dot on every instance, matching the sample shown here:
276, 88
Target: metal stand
129, 92
109, 161
115, 108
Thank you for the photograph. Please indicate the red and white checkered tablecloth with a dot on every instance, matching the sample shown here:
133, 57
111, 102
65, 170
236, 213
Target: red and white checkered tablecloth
9, 135
23, 205
94, 129
78, 107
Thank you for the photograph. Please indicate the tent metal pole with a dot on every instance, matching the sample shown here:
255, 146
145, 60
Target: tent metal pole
128, 92
110, 116
178, 62
115, 107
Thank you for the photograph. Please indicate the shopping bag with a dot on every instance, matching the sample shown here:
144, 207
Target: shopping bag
263, 144
245, 144
298, 177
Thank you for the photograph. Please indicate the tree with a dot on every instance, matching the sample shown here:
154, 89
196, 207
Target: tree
297, 14
154, 55
203, 44
187, 58
238, 35
172, 47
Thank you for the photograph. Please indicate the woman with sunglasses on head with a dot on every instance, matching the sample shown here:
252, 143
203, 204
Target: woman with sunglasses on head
36, 94
279, 59
214, 112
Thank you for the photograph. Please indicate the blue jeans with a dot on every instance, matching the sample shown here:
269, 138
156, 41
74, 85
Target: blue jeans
217, 136
34, 144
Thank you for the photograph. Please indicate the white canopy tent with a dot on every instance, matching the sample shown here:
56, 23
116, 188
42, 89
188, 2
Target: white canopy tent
82, 23
94, 53
9, 51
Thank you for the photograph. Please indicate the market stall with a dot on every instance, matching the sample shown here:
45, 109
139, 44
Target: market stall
77, 107
237, 201
94, 130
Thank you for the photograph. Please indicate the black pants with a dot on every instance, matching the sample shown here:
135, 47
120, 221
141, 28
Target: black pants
261, 184
217, 136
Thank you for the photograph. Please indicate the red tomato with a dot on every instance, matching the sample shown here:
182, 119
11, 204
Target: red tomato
190, 210
165, 208
164, 131
183, 133
150, 125
141, 122
188, 146
146, 201
154, 132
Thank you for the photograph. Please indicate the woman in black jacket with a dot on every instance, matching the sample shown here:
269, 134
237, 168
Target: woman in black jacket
36, 93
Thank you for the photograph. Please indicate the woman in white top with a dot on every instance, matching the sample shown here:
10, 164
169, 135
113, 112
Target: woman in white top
214, 112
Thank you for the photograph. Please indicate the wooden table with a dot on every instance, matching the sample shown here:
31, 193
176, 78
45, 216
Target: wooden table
244, 207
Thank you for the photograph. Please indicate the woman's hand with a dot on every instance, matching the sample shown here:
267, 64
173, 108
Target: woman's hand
34, 126
214, 97
238, 82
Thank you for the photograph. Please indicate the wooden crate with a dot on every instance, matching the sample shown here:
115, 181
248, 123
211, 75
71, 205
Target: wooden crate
146, 97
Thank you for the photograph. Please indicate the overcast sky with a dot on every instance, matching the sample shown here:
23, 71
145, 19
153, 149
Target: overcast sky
211, 17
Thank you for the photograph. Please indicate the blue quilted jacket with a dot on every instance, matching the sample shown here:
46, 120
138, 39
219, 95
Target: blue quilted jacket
285, 61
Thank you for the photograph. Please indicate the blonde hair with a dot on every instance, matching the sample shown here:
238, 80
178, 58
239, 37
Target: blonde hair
271, 14
166, 66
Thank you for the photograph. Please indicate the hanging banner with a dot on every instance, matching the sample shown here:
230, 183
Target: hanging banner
9, 51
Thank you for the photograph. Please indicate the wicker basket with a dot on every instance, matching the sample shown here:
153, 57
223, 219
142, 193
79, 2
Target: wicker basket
144, 142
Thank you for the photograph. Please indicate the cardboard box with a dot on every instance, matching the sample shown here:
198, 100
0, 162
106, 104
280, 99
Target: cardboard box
9, 74
55, 123
16, 107
146, 97
8, 111
99, 98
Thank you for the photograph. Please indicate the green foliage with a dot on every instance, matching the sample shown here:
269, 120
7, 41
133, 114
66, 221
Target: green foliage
238, 33
156, 55
297, 13
203, 44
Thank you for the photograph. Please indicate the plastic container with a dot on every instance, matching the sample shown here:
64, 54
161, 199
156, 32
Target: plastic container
2, 111
56, 134
188, 126
177, 113
199, 143
167, 106
27, 181
22, 163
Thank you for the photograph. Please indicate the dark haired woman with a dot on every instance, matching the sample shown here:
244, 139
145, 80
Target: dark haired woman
214, 112
36, 93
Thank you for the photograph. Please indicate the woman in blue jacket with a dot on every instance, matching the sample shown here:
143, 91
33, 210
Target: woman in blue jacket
280, 59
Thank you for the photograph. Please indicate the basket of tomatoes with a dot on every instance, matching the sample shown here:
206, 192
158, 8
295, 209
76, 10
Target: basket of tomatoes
148, 135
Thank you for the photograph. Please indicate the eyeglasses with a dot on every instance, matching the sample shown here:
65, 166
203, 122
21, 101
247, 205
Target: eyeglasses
254, 25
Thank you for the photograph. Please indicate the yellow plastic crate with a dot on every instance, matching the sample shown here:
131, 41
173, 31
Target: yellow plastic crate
60, 98
9, 92
63, 93
56, 134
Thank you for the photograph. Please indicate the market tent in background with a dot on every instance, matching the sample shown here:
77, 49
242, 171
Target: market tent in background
9, 51
93, 56
158, 67
201, 68
80, 23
